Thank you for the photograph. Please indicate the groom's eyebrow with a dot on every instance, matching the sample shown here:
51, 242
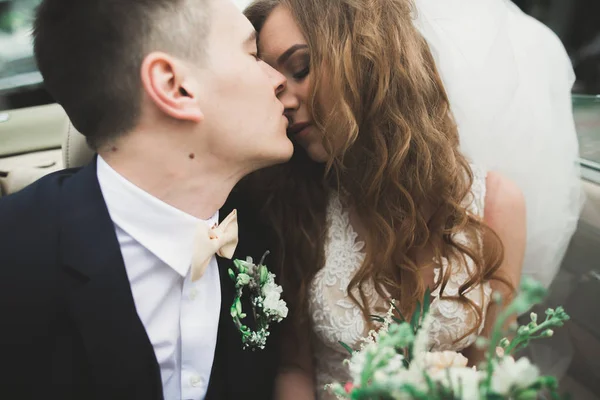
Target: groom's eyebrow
288, 53
251, 39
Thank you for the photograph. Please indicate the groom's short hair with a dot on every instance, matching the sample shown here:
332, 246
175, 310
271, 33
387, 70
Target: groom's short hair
90, 53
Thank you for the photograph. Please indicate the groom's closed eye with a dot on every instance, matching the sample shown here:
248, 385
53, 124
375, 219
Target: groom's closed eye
251, 46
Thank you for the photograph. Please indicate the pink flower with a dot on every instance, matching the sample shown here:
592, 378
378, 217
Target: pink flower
348, 387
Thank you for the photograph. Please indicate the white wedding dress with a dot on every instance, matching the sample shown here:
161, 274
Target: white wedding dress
336, 318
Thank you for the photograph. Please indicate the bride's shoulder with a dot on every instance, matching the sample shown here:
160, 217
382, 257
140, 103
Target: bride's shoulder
498, 187
505, 215
494, 191
503, 197
498, 200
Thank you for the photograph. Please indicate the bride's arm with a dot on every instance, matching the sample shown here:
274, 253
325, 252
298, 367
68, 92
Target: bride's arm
295, 380
505, 214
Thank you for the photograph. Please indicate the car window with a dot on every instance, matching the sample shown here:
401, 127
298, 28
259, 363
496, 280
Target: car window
19, 77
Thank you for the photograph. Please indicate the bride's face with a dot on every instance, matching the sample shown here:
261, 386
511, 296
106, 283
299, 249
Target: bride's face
282, 45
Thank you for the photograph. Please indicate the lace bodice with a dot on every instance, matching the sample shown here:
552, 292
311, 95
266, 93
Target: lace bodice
336, 318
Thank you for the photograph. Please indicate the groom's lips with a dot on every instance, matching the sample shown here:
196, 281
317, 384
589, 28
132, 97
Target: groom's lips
297, 128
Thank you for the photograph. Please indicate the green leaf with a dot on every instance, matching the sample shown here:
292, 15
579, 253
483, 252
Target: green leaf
264, 274
426, 302
416, 317
413, 392
345, 346
460, 386
377, 318
239, 264
399, 313
406, 363
430, 383
231, 274
238, 306
529, 394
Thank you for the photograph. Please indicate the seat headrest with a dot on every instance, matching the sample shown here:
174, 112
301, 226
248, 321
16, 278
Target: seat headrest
75, 150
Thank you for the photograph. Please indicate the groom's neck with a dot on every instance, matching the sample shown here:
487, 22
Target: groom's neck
195, 183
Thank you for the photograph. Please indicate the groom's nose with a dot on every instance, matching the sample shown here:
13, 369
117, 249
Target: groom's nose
277, 79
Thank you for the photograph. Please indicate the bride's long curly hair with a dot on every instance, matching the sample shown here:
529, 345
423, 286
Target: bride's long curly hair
399, 162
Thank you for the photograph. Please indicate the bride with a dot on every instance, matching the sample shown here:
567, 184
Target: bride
508, 79
378, 203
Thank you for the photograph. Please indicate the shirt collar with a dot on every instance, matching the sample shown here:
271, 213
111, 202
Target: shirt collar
164, 230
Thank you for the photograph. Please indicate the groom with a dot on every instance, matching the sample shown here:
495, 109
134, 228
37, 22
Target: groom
97, 299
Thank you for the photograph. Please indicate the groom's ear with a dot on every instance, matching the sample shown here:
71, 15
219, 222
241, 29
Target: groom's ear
166, 82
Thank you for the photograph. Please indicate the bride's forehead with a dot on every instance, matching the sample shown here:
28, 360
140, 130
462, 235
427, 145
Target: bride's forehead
279, 32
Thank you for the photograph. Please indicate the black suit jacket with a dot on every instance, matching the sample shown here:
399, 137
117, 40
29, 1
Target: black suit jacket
68, 323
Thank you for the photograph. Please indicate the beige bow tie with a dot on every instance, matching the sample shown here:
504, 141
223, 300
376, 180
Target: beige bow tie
221, 239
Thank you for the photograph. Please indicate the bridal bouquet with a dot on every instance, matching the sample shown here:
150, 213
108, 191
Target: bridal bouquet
394, 363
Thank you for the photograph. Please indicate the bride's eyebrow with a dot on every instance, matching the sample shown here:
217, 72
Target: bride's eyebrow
288, 53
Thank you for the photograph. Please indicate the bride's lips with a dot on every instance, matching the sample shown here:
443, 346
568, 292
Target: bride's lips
298, 130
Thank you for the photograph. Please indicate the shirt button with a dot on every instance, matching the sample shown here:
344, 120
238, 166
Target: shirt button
196, 381
193, 294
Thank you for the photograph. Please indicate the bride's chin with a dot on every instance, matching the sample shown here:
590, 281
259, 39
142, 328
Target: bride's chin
316, 152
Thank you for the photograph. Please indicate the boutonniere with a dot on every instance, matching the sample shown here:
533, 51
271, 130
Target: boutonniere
265, 297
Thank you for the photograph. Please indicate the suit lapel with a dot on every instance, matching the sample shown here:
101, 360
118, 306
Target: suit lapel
117, 348
228, 337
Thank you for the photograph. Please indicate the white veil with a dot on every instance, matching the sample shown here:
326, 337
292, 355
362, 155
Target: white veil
509, 81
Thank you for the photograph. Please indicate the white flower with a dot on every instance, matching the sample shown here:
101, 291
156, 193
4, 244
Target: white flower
356, 364
374, 334
421, 343
388, 320
272, 301
439, 360
248, 264
412, 376
270, 286
380, 377
463, 381
243, 279
510, 374
395, 364
275, 306
500, 351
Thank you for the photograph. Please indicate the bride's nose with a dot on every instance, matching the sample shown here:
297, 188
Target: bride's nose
290, 102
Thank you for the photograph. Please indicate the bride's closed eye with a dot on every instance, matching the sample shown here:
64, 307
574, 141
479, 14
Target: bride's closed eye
300, 67
300, 75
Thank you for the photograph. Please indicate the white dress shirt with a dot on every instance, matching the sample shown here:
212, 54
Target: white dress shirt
181, 317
